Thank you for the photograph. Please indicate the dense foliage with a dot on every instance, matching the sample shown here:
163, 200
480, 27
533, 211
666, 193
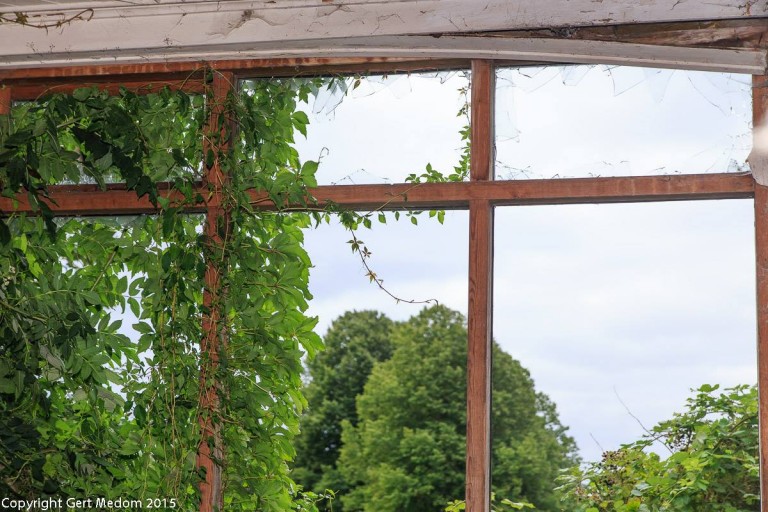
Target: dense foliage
708, 462
403, 446
85, 412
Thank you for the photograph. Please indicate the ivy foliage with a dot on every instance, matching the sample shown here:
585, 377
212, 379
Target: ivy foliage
85, 411
707, 462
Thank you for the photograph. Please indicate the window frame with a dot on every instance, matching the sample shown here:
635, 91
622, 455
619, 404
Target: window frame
480, 195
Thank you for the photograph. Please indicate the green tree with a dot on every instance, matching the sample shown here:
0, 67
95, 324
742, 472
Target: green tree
407, 451
708, 462
353, 344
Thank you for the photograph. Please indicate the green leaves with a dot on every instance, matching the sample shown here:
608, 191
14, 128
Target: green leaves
712, 465
387, 415
92, 407
61, 350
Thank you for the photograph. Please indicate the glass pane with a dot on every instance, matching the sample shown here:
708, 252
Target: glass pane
385, 427
381, 129
619, 311
587, 121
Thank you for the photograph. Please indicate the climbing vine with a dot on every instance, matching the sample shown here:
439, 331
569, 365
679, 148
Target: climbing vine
85, 410
93, 408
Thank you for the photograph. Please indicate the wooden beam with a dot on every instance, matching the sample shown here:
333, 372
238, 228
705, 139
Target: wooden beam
34, 91
630, 189
483, 78
89, 200
759, 111
182, 70
476, 46
77, 200
480, 307
110, 31
5, 100
739, 33
210, 453
479, 327
480, 46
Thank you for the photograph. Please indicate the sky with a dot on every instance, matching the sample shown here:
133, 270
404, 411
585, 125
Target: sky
616, 310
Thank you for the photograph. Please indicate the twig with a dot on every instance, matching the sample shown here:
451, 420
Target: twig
104, 270
602, 450
23, 313
653, 436
364, 253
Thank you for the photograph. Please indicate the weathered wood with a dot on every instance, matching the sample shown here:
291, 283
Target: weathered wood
742, 33
479, 327
758, 158
34, 91
759, 111
529, 192
5, 100
737, 60
168, 29
483, 79
183, 70
211, 450
89, 200
478, 477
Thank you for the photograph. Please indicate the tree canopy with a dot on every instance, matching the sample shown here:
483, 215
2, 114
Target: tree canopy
353, 344
403, 447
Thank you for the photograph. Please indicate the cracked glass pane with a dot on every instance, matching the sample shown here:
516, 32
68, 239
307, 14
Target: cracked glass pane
590, 121
383, 128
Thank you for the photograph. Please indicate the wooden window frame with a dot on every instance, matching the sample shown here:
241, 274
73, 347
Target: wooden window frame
480, 195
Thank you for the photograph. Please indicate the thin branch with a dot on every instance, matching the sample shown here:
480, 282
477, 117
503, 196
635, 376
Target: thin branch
602, 450
22, 312
104, 270
364, 253
652, 435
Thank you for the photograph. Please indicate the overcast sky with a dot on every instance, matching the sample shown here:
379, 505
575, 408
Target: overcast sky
602, 303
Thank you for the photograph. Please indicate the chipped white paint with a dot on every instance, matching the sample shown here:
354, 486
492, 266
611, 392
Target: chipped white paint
758, 158
455, 47
135, 30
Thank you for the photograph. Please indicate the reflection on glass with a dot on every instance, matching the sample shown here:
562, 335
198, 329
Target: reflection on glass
588, 121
